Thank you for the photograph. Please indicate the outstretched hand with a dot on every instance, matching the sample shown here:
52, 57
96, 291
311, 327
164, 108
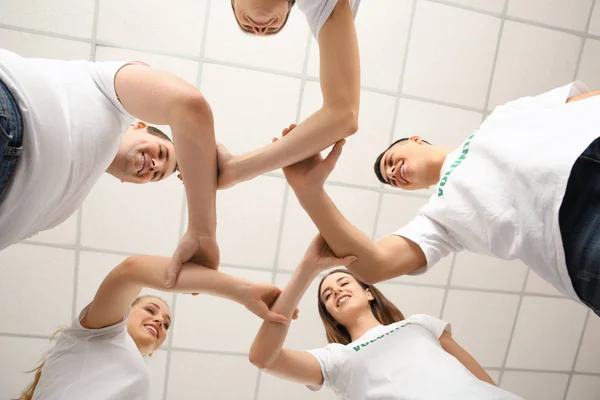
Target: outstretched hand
313, 171
259, 299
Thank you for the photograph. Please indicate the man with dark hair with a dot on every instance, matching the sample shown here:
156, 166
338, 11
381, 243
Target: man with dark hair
64, 123
525, 185
332, 24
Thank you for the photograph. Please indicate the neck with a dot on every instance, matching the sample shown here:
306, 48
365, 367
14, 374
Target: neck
363, 323
437, 162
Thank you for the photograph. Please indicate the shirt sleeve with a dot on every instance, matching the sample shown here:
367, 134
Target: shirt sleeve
106, 333
431, 237
329, 367
318, 11
103, 74
435, 326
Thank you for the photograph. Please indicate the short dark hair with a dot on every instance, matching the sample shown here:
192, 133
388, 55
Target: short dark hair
377, 165
154, 131
291, 4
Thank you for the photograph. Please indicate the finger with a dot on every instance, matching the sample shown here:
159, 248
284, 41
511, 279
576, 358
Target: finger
274, 139
172, 271
285, 131
296, 312
277, 318
335, 153
348, 260
292, 126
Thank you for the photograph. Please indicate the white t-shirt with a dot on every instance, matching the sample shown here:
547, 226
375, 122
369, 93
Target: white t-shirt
501, 190
73, 123
318, 11
402, 361
94, 364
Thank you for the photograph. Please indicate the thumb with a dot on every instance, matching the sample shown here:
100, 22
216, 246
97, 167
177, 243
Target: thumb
179, 257
348, 260
335, 153
277, 318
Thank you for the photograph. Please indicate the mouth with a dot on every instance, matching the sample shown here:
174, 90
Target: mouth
401, 174
142, 164
342, 299
152, 329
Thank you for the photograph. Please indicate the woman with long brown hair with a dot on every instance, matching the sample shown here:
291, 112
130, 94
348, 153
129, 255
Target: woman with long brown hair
101, 355
374, 352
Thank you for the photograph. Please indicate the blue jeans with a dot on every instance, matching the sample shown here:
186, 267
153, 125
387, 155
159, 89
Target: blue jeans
579, 220
11, 136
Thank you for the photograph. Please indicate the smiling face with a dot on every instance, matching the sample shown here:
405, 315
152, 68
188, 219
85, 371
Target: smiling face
148, 324
344, 298
409, 165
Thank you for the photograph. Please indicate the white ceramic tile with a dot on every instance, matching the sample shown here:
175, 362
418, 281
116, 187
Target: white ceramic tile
19, 355
396, 211
535, 385
436, 66
375, 119
412, 300
589, 354
483, 272
211, 376
39, 46
185, 69
149, 216
496, 6
67, 17
479, 319
590, 64
248, 219
93, 268
382, 45
595, 21
274, 388
210, 323
551, 61
439, 125
36, 281
535, 284
358, 206
174, 26
541, 325
284, 51
158, 369
307, 332
572, 14
584, 388
65, 233
250, 108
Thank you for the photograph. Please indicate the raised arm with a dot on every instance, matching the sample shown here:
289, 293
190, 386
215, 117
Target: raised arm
449, 344
267, 352
337, 118
391, 257
162, 98
124, 283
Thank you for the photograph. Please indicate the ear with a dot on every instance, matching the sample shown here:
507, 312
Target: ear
416, 139
150, 355
369, 295
139, 125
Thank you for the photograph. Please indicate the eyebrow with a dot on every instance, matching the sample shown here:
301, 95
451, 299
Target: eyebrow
157, 306
336, 281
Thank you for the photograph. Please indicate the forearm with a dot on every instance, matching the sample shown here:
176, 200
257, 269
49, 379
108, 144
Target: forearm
342, 237
270, 337
149, 272
194, 138
319, 131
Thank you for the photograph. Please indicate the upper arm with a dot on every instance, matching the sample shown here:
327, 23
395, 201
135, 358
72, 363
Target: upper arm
339, 59
113, 298
298, 366
583, 96
155, 96
397, 256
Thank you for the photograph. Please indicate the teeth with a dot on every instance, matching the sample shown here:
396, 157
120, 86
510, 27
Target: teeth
343, 299
151, 328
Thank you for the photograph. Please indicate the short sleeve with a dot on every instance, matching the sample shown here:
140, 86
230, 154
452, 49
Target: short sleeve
318, 11
329, 363
431, 237
103, 74
435, 326
107, 333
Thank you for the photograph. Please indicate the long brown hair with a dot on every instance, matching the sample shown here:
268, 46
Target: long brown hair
30, 389
383, 310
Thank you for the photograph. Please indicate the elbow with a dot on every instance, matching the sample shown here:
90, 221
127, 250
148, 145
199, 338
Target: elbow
127, 269
258, 360
191, 105
350, 121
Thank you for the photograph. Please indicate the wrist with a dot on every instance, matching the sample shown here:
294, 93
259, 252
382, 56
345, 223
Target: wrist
306, 194
241, 291
309, 268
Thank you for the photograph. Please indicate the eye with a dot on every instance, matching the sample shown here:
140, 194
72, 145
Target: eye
166, 325
327, 296
150, 310
160, 151
344, 283
154, 175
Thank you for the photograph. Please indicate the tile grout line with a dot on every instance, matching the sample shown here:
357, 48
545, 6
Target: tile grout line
584, 40
396, 111
94, 37
577, 352
448, 286
184, 204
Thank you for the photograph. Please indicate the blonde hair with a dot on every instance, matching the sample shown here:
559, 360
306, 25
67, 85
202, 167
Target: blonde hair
30, 389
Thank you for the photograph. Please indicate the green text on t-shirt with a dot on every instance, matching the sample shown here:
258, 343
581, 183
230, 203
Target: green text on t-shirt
365, 344
459, 160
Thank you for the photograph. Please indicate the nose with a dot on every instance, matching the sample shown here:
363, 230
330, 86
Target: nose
261, 25
391, 172
156, 164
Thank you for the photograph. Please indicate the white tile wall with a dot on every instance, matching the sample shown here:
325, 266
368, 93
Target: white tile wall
429, 67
